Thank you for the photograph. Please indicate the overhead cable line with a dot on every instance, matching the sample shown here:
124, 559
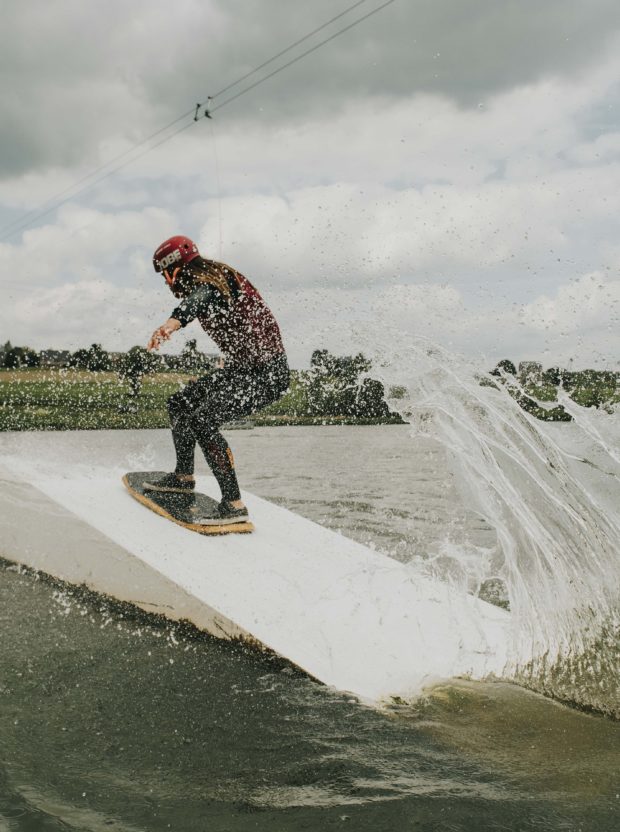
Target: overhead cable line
32, 216
23, 221
288, 49
101, 178
299, 57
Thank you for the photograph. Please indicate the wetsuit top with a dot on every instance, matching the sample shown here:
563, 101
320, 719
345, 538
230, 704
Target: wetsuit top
232, 312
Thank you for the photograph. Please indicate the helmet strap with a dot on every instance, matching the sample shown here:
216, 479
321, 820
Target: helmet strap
170, 278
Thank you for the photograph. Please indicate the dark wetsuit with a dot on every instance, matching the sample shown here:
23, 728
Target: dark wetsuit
255, 374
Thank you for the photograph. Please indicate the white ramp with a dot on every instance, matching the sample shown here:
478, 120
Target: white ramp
347, 615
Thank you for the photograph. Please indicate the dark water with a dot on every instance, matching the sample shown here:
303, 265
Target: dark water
109, 721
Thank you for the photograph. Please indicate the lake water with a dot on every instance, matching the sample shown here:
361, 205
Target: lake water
113, 721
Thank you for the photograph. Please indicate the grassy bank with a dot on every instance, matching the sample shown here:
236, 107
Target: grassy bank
37, 399
77, 399
69, 399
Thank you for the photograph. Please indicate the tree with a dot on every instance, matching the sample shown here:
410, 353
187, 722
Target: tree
98, 359
95, 359
505, 366
79, 359
134, 365
321, 361
594, 388
14, 358
336, 387
17, 357
370, 402
552, 376
31, 357
4, 351
192, 360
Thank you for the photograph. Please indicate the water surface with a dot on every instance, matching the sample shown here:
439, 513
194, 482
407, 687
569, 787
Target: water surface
111, 721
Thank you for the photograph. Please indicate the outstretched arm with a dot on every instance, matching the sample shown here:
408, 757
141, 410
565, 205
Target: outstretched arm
163, 333
201, 301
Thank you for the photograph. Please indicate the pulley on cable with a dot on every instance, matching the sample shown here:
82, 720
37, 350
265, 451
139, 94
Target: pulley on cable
207, 112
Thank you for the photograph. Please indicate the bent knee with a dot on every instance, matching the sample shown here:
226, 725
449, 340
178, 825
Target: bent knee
177, 405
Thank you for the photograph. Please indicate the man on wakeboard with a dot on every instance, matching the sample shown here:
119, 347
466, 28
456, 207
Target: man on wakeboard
255, 372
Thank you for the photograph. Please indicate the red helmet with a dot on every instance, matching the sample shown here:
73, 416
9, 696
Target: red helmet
175, 250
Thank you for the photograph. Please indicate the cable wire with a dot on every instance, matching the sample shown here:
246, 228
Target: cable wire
299, 57
32, 216
16, 225
62, 202
9, 229
284, 51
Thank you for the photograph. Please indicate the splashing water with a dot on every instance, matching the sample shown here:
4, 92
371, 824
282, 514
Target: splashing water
552, 493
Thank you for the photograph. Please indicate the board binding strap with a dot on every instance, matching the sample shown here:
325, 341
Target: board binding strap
183, 509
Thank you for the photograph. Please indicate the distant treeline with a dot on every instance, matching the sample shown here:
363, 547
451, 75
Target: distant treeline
339, 387
532, 385
335, 387
96, 359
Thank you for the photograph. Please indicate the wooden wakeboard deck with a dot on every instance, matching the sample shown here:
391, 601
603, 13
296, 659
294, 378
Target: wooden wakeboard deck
183, 509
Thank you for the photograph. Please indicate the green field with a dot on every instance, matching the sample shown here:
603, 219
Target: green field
71, 399
37, 399
34, 399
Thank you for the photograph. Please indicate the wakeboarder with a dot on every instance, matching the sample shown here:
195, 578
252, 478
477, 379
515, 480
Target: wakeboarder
255, 371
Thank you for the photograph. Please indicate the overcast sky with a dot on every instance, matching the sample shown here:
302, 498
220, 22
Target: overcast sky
448, 168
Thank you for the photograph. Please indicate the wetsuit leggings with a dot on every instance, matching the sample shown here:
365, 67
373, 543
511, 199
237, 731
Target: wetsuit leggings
198, 411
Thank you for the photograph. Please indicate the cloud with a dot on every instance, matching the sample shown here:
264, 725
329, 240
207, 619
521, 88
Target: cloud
577, 321
75, 315
524, 233
82, 80
589, 303
84, 242
472, 209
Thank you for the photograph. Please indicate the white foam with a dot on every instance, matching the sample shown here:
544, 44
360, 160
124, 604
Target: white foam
349, 616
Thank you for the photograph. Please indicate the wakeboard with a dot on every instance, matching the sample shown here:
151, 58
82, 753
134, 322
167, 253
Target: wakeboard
186, 510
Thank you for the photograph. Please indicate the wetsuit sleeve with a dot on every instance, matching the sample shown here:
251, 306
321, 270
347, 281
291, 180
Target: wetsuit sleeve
202, 300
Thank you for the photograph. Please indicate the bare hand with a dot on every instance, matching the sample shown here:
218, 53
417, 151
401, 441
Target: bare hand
163, 333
